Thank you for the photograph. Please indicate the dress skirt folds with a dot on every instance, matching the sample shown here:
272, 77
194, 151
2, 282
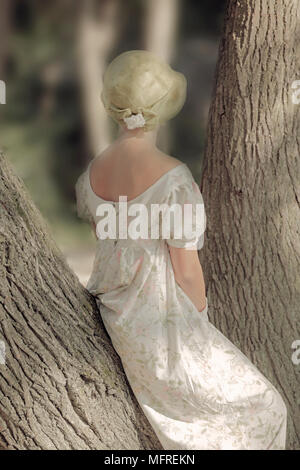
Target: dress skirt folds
197, 389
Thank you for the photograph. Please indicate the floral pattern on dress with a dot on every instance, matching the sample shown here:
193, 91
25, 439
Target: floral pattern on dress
197, 389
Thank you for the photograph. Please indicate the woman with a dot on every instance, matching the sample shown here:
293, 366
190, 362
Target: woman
196, 388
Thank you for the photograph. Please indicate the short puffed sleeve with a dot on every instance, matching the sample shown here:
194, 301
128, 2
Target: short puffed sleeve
186, 230
83, 211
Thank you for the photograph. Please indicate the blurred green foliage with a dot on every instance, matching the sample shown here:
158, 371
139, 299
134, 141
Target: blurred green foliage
41, 126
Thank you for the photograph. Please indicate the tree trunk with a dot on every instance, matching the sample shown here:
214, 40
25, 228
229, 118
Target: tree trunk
62, 385
97, 33
5, 26
251, 191
160, 35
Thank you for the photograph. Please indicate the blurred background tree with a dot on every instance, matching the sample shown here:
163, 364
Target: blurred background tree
52, 58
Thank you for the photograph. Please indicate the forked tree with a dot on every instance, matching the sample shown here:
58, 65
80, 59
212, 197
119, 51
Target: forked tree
62, 385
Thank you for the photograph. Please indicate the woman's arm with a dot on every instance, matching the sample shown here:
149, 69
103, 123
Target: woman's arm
188, 274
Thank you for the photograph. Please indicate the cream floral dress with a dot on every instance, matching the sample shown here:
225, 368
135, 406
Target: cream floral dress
196, 388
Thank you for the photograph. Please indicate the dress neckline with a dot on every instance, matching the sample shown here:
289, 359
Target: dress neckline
141, 194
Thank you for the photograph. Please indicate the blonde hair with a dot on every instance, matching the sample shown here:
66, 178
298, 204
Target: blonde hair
138, 81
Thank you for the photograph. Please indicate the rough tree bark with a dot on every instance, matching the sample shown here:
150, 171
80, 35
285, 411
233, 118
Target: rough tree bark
63, 385
250, 185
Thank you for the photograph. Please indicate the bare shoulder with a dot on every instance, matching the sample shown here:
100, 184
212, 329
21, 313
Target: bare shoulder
101, 161
102, 156
167, 161
153, 164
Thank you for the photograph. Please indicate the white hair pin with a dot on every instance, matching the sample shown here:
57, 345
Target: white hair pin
134, 121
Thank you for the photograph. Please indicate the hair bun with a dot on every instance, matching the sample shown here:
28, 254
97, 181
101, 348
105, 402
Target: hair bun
139, 82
